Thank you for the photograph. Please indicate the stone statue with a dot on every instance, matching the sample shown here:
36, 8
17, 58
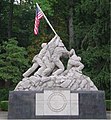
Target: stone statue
32, 69
48, 71
59, 51
37, 61
74, 61
48, 63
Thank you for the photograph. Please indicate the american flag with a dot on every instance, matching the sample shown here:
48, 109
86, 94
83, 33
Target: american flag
38, 16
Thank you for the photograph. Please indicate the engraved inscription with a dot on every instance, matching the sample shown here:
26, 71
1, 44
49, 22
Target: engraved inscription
57, 102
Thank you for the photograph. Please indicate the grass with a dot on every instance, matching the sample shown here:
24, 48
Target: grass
108, 105
4, 105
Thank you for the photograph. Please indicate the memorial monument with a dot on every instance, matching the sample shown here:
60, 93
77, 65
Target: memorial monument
48, 71
48, 90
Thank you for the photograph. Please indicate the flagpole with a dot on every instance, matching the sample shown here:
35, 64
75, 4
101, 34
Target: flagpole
46, 19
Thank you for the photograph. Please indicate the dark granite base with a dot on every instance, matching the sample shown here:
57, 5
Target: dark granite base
91, 105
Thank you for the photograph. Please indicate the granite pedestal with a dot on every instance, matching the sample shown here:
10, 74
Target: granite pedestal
61, 104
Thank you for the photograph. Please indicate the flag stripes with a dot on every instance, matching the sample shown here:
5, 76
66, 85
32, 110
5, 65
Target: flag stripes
38, 16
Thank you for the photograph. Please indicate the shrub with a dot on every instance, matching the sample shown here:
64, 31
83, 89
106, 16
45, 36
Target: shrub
4, 105
13, 61
4, 94
108, 104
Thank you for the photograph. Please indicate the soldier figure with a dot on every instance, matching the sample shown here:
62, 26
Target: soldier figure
59, 51
74, 61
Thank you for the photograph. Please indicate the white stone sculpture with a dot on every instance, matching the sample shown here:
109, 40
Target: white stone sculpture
59, 51
37, 61
50, 71
74, 61
40, 61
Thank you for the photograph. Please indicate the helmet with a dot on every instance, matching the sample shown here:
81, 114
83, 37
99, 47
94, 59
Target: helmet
43, 45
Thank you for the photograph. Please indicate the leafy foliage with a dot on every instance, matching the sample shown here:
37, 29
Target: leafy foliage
4, 105
12, 61
108, 105
4, 94
91, 23
97, 62
46, 5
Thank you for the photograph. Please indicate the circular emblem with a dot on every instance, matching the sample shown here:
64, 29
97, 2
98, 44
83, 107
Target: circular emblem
57, 102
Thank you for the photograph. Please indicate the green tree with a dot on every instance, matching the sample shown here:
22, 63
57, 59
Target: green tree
97, 61
91, 26
91, 23
13, 61
10, 21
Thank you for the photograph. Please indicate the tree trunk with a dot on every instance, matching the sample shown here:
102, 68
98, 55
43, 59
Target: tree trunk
7, 84
20, 2
71, 30
29, 1
0, 16
10, 19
